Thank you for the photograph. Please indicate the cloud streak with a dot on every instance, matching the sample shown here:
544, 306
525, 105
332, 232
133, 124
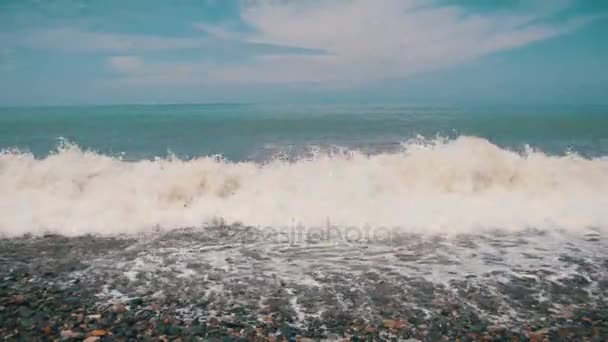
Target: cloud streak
74, 40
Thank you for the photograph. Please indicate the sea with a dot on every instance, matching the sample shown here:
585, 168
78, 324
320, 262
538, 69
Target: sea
321, 221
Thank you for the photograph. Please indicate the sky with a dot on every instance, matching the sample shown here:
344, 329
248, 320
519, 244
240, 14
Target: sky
70, 52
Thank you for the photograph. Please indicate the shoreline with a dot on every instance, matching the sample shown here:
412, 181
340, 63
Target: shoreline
199, 285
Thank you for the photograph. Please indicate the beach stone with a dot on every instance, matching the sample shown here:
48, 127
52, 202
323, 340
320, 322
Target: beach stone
92, 339
394, 324
174, 330
118, 308
27, 323
496, 328
18, 300
78, 318
141, 325
198, 330
47, 330
72, 300
69, 334
25, 312
136, 302
370, 330
99, 332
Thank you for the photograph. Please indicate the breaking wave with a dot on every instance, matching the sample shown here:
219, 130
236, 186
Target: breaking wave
445, 186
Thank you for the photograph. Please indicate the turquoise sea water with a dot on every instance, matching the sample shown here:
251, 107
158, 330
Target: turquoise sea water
250, 131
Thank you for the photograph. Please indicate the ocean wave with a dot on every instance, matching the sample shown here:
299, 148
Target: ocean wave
461, 185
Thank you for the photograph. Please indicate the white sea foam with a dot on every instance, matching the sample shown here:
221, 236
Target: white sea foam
461, 185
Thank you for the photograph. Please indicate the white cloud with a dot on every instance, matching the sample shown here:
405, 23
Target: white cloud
372, 39
125, 64
359, 41
364, 40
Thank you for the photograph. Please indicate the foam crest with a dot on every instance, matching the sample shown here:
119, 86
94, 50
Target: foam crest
462, 185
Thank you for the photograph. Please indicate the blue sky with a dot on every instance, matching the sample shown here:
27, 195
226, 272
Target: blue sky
424, 52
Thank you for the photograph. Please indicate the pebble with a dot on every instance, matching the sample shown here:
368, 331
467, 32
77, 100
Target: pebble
69, 334
99, 332
47, 330
496, 328
118, 308
141, 326
394, 324
370, 329
78, 318
92, 339
136, 301
18, 299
